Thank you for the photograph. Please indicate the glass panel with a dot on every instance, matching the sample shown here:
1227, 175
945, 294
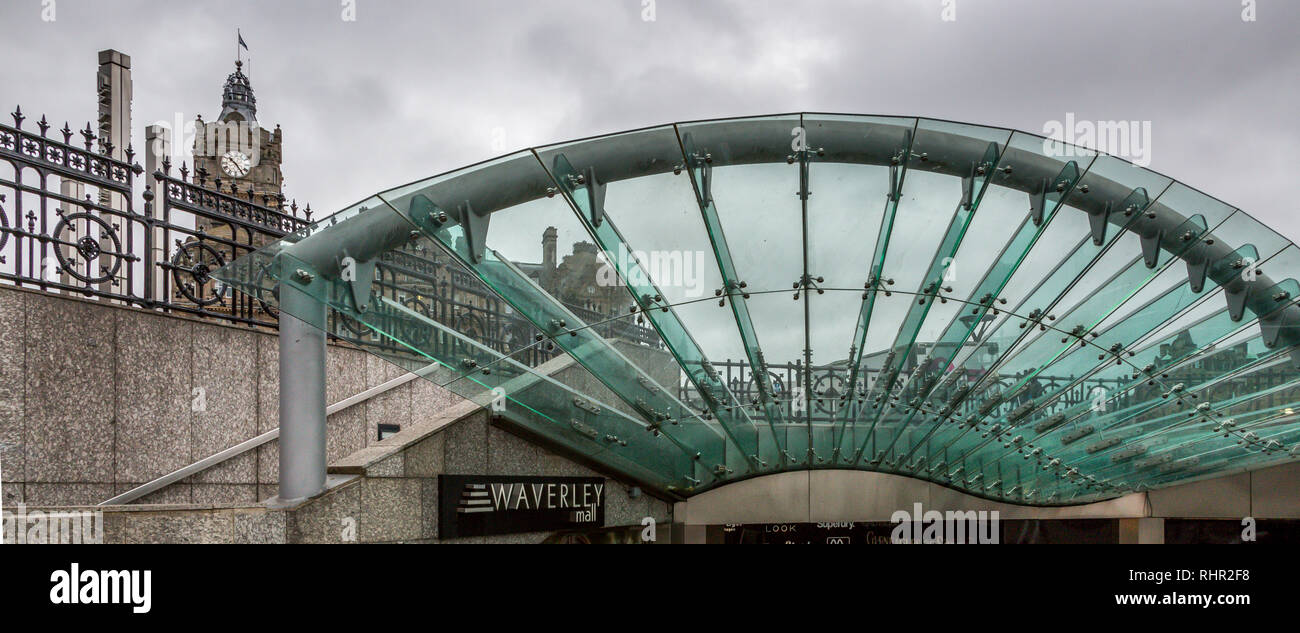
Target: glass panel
1179, 421
685, 305
1086, 267
519, 257
1135, 418
1240, 229
979, 272
850, 218
1060, 353
427, 314
973, 155
748, 195
658, 278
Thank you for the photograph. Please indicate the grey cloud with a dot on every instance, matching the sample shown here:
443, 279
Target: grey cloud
414, 88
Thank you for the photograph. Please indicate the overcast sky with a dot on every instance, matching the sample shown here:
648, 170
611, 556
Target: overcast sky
412, 88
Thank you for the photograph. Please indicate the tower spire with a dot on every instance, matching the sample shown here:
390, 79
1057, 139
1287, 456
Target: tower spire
237, 96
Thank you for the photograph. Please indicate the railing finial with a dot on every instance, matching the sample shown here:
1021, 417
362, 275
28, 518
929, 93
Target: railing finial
88, 135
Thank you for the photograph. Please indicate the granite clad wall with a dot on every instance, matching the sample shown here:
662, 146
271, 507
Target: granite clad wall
97, 398
397, 498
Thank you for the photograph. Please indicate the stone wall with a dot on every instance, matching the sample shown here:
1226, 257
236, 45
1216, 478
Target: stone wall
394, 495
97, 398
385, 493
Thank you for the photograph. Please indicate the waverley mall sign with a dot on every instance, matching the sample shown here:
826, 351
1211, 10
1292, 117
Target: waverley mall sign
473, 505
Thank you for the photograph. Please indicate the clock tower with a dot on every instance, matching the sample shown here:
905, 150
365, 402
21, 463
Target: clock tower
234, 149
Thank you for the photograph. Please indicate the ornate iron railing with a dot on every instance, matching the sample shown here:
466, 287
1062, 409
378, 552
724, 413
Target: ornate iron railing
200, 228
69, 225
830, 392
67, 222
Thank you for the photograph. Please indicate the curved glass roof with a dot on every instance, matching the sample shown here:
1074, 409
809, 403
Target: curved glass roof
703, 302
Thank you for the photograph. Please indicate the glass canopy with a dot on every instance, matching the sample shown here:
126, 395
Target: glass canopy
699, 303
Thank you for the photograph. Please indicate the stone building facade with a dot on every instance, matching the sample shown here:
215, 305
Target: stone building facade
234, 150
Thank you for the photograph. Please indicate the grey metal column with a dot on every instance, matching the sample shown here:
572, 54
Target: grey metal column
318, 260
302, 394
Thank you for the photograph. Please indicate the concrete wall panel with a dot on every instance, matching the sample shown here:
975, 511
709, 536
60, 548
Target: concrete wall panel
1221, 497
13, 341
70, 400
1275, 492
223, 401
778, 498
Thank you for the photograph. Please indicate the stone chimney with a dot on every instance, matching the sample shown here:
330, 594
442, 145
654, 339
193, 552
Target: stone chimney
549, 237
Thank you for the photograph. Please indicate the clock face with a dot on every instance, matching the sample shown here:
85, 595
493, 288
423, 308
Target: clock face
236, 164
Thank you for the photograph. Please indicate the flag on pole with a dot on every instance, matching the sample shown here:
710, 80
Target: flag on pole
241, 39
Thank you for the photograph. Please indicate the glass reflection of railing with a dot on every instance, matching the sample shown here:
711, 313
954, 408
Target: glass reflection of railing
434, 287
830, 393
1054, 394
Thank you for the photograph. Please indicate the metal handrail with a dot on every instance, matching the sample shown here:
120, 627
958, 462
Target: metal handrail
250, 444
